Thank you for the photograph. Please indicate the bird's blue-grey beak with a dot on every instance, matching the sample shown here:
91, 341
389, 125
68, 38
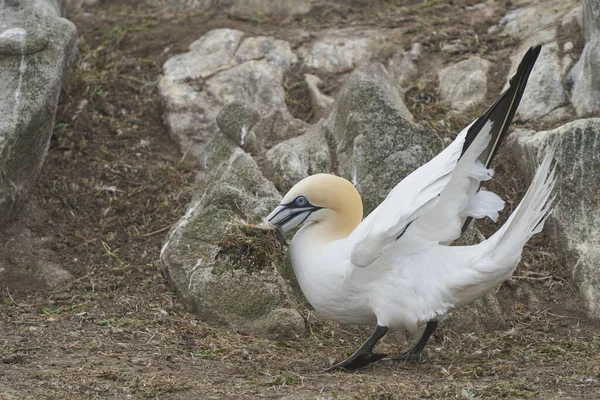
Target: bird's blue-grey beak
287, 216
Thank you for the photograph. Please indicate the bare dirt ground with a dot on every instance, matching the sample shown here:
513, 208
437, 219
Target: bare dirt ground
114, 183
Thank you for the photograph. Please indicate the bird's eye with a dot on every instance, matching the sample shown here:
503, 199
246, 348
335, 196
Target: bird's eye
300, 201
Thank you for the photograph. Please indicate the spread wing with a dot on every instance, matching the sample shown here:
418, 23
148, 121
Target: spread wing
437, 201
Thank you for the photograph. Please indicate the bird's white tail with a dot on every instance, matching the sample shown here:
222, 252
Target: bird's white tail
531, 213
494, 260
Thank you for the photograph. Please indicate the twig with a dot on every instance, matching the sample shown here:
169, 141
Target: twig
10, 297
71, 282
533, 278
161, 230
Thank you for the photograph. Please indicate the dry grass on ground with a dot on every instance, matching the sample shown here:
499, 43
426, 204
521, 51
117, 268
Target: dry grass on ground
114, 183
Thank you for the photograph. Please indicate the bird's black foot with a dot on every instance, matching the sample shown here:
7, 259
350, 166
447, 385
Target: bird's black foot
413, 356
356, 361
364, 355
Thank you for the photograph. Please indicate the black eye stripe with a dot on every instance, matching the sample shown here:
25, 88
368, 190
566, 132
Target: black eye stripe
294, 203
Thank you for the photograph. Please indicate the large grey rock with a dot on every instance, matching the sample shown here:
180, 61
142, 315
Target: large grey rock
37, 47
295, 159
271, 129
368, 138
464, 84
586, 73
545, 96
590, 18
522, 23
376, 142
342, 50
221, 67
221, 264
575, 221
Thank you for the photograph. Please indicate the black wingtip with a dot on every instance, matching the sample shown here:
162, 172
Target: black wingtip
502, 112
504, 108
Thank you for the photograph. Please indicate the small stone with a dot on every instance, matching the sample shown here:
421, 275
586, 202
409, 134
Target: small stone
455, 47
568, 46
281, 323
478, 6
415, 51
53, 275
320, 102
163, 313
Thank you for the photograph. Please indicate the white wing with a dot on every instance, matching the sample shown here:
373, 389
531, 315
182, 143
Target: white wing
461, 197
434, 198
417, 194
439, 196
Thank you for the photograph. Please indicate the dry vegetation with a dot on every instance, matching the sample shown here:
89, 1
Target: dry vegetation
114, 183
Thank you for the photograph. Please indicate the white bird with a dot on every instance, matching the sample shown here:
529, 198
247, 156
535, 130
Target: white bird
395, 268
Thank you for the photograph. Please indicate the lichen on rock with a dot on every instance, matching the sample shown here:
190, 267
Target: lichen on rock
199, 256
573, 224
37, 47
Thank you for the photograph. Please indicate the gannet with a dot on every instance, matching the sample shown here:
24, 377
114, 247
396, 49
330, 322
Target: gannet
395, 268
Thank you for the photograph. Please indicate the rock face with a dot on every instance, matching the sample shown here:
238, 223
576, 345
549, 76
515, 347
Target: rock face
556, 87
368, 138
574, 224
230, 192
221, 67
37, 47
464, 84
586, 73
376, 142
524, 22
209, 255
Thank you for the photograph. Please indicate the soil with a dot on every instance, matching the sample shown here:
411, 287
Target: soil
114, 183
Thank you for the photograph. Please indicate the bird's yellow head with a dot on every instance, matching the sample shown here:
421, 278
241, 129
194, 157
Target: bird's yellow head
326, 199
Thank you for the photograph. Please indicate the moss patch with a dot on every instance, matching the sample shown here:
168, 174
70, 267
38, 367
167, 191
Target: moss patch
251, 248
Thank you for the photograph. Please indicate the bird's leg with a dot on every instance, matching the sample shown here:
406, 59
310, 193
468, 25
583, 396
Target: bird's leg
364, 355
414, 354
